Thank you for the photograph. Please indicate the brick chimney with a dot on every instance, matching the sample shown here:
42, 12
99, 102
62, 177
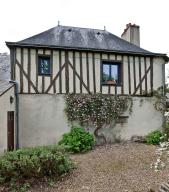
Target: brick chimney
132, 34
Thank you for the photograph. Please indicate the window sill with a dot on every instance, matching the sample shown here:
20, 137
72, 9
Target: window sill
48, 75
108, 84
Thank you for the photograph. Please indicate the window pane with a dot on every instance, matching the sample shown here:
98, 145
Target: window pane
44, 65
106, 72
114, 72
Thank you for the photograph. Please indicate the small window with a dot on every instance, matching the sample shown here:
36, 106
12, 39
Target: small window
111, 73
44, 65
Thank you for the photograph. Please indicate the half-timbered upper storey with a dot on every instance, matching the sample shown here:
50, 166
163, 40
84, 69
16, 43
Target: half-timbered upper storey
79, 60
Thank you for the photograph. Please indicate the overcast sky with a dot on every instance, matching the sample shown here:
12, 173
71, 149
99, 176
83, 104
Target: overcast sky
20, 19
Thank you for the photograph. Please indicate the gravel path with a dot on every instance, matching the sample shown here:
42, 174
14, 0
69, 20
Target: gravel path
113, 168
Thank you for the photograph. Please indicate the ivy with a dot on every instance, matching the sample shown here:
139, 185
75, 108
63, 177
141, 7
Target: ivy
97, 109
160, 97
160, 103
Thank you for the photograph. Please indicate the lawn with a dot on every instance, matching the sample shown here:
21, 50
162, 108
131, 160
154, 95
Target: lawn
112, 168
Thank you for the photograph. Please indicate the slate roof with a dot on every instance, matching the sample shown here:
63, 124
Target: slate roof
67, 37
5, 86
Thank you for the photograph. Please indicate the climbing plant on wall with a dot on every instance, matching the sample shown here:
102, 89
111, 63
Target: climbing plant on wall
97, 109
160, 103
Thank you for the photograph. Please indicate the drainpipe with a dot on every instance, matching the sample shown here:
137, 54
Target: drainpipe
163, 91
16, 114
163, 80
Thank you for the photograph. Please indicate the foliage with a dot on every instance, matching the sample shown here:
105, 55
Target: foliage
33, 163
155, 137
78, 140
160, 104
162, 153
159, 95
97, 109
166, 128
15, 186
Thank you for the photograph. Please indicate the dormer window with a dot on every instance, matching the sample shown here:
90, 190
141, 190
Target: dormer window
44, 65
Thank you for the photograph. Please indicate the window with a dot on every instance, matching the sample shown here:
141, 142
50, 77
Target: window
111, 73
44, 65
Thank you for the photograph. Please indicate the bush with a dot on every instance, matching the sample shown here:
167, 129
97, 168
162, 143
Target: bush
78, 140
166, 129
155, 137
33, 163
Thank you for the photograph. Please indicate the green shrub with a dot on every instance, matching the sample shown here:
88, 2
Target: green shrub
78, 140
33, 163
154, 137
166, 129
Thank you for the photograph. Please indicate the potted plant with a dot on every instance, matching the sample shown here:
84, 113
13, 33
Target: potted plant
111, 81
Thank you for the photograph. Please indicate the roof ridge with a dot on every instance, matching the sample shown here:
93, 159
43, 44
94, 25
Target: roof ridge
80, 27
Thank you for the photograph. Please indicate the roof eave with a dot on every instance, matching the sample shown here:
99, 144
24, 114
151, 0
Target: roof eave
15, 44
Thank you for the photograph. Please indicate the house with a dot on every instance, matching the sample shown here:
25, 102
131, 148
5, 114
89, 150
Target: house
7, 116
65, 60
